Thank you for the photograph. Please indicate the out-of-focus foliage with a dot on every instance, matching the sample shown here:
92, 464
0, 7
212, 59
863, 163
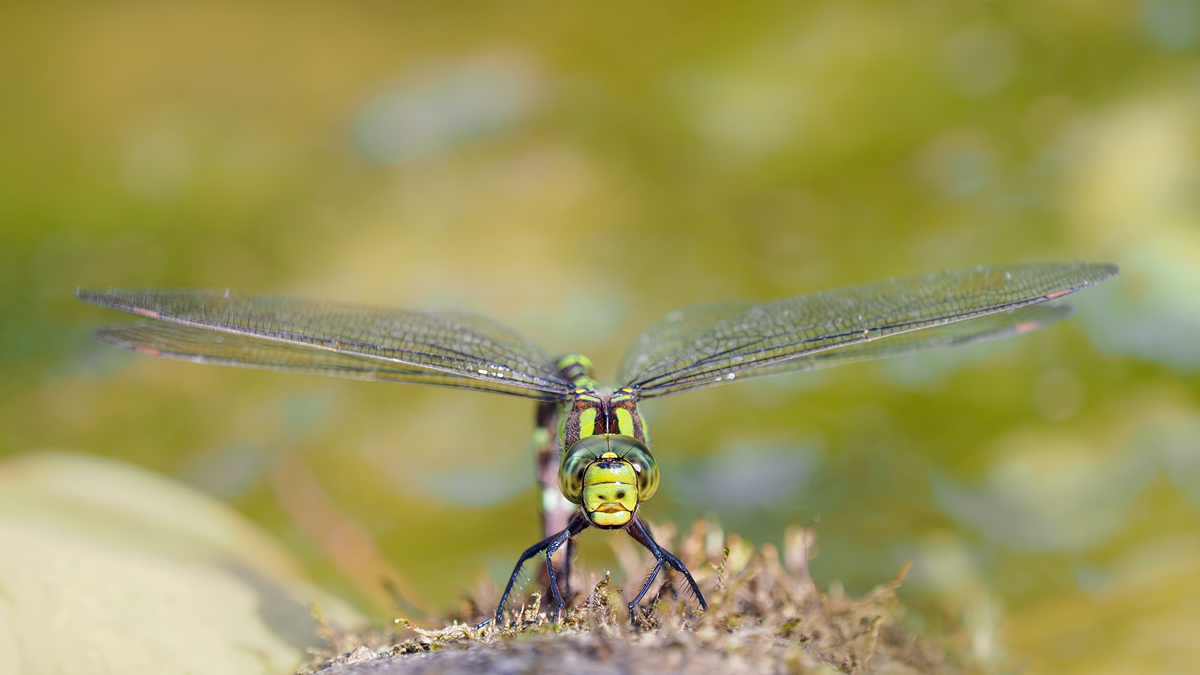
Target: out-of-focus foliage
579, 171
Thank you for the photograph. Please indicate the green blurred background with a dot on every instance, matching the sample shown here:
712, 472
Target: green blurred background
580, 170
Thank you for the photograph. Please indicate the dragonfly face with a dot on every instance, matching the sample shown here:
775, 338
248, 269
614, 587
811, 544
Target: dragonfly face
609, 475
593, 438
610, 493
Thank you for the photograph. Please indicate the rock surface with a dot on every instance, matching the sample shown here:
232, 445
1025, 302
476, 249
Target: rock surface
107, 568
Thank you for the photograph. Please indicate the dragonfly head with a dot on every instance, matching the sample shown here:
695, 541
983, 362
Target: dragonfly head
608, 475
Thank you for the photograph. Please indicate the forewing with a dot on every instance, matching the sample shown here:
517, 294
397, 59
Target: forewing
706, 346
981, 329
455, 349
200, 345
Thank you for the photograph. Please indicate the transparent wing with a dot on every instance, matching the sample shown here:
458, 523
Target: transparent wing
454, 349
709, 345
982, 329
199, 345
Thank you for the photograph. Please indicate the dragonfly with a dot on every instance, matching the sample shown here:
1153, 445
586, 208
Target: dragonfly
594, 461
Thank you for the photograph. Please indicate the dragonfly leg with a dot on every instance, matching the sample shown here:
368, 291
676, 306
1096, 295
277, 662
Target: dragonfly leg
560, 539
529, 553
577, 525
567, 556
641, 534
678, 566
646, 587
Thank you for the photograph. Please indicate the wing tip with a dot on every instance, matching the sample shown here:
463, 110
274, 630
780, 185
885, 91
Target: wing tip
108, 336
118, 299
1080, 275
1098, 273
1109, 271
88, 295
1040, 316
100, 297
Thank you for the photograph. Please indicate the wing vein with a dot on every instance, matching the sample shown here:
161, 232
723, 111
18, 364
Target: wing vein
699, 346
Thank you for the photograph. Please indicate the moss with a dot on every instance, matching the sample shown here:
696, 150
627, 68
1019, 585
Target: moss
765, 615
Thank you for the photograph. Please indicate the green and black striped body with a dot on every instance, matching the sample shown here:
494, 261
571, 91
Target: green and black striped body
604, 464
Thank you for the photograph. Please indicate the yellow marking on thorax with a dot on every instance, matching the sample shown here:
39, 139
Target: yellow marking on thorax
624, 422
587, 423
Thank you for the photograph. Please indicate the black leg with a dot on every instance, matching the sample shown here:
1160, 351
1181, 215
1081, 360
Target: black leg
649, 580
560, 539
529, 553
567, 555
678, 566
641, 534
550, 545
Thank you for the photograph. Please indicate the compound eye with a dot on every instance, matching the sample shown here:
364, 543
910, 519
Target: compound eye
575, 463
637, 454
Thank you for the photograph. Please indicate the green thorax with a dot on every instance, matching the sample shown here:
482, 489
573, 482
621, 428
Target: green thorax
592, 410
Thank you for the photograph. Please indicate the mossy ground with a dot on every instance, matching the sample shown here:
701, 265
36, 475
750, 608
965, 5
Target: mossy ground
765, 615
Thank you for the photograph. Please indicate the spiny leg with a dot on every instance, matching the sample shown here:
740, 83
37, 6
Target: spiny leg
560, 539
578, 524
567, 555
678, 566
529, 553
649, 580
641, 534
